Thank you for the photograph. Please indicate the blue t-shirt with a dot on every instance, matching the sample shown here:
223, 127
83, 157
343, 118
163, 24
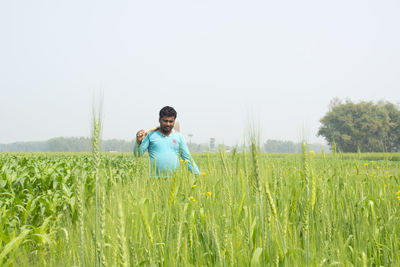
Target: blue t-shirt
164, 152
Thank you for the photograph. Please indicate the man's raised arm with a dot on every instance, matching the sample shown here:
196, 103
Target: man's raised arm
142, 143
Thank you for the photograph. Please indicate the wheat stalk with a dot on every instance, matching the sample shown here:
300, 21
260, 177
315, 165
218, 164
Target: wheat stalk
103, 229
285, 223
256, 170
146, 226
122, 247
96, 165
313, 190
364, 257
179, 238
172, 192
216, 242
79, 199
226, 235
306, 172
133, 252
270, 200
231, 252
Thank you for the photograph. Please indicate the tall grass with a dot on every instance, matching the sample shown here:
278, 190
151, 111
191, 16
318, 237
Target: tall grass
285, 210
96, 140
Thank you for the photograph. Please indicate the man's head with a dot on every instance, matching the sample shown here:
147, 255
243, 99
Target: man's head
168, 111
167, 119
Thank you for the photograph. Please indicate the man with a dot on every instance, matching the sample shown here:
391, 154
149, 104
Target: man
164, 145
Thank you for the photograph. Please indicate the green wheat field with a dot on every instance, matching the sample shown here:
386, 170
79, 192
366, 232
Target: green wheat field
248, 209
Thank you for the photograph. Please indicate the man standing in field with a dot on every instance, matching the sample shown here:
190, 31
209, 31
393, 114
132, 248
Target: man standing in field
164, 145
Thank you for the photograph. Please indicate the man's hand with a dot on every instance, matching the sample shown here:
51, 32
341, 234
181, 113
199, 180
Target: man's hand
140, 136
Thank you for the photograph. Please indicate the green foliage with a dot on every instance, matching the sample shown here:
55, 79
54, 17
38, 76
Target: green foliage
364, 127
38, 192
317, 210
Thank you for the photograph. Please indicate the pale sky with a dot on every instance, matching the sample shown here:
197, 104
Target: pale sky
221, 64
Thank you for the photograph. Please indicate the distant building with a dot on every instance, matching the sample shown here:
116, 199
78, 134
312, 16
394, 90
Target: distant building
190, 138
212, 144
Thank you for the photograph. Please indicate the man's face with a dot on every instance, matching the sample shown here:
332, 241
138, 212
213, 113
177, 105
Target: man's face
167, 124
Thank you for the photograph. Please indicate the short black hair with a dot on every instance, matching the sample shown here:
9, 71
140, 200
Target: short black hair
168, 111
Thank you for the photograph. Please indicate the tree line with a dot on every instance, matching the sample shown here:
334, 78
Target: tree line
278, 146
363, 126
83, 144
67, 144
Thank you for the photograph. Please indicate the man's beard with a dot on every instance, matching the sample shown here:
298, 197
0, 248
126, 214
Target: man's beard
166, 129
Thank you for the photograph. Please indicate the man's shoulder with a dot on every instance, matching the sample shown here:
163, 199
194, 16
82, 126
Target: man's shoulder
153, 135
177, 135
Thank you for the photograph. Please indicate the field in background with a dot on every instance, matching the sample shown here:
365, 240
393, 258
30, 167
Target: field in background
248, 209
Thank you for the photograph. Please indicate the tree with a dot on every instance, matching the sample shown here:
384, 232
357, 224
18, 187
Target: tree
277, 146
393, 138
365, 126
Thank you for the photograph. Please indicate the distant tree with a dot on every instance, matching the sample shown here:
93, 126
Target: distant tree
277, 146
365, 126
117, 145
393, 138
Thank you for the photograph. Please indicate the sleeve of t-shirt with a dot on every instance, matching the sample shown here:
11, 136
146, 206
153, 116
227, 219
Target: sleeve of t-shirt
139, 150
185, 155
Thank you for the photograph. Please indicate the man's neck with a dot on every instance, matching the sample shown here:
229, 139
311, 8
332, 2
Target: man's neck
165, 134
